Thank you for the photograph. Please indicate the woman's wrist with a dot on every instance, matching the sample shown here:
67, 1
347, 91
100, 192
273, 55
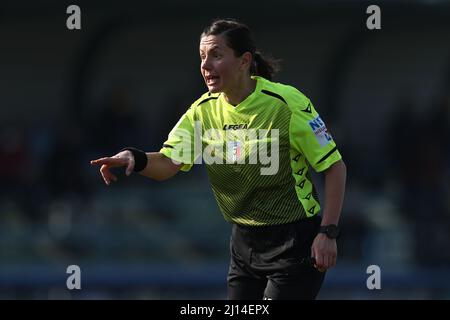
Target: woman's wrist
140, 158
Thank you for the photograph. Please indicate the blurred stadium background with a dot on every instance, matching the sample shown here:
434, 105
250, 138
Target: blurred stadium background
132, 70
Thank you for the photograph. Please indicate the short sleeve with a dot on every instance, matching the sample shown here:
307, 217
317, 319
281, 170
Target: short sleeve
309, 135
180, 145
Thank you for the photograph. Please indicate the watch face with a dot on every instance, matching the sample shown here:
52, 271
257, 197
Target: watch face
333, 231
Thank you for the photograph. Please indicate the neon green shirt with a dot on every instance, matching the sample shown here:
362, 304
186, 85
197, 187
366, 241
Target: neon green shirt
257, 153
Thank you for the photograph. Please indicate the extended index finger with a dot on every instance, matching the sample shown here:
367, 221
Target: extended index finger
108, 161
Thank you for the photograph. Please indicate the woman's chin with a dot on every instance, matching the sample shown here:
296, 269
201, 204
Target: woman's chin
214, 89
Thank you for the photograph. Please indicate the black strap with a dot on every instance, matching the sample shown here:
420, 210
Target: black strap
140, 158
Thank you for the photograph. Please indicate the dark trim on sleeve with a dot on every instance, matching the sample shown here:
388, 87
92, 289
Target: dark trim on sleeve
167, 146
273, 94
327, 155
207, 99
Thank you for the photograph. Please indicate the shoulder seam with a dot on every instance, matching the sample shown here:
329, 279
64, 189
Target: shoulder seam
275, 95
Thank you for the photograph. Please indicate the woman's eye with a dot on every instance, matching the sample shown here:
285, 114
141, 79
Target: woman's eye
215, 56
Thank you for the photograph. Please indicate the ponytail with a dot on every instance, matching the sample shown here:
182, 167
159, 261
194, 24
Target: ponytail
263, 66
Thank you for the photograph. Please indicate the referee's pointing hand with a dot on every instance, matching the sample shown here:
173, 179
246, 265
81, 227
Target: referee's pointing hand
122, 159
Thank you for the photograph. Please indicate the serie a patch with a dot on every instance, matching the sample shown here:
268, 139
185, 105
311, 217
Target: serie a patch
234, 148
320, 131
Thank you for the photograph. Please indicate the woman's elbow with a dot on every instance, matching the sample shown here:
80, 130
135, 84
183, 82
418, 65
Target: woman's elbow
343, 167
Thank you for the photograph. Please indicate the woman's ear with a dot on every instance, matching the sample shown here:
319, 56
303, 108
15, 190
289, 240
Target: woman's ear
246, 60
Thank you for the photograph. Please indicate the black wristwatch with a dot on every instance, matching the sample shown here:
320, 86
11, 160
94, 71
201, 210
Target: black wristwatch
332, 231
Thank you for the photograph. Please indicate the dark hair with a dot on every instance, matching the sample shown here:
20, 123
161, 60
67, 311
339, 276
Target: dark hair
239, 38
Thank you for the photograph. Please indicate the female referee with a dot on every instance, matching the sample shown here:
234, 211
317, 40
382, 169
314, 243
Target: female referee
280, 246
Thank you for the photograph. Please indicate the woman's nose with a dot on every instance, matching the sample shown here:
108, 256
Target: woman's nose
205, 64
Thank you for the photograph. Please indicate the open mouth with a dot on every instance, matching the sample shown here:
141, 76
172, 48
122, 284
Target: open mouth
211, 79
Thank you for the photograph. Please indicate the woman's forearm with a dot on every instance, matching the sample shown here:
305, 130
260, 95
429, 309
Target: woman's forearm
159, 167
335, 177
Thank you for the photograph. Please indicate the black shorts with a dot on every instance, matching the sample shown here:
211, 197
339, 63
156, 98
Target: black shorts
272, 262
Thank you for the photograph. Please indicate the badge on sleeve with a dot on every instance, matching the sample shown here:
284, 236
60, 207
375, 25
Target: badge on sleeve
320, 131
